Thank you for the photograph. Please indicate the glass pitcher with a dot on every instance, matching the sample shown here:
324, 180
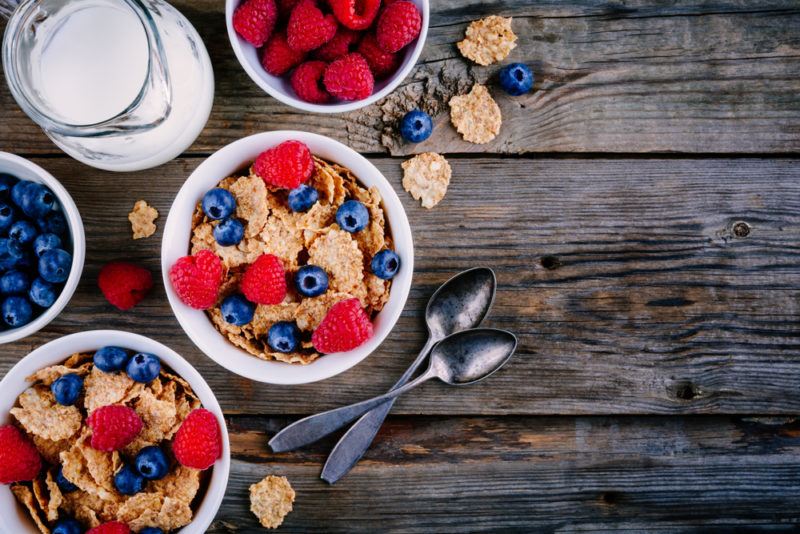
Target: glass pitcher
121, 85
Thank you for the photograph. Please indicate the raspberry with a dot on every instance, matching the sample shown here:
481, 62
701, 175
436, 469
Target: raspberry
308, 27
307, 82
19, 459
349, 78
399, 24
340, 45
112, 527
264, 281
198, 443
113, 427
277, 57
380, 63
287, 165
254, 20
124, 284
345, 11
345, 327
196, 279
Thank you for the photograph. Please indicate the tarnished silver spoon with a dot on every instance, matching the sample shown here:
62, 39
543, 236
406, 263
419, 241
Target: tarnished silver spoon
461, 303
460, 359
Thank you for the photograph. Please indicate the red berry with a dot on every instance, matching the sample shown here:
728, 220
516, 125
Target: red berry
113, 427
198, 443
19, 459
355, 14
349, 78
277, 58
254, 20
399, 24
113, 527
264, 281
345, 327
340, 45
287, 165
381, 63
307, 82
196, 279
308, 27
124, 284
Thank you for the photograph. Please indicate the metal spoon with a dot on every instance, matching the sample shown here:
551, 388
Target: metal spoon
460, 359
459, 304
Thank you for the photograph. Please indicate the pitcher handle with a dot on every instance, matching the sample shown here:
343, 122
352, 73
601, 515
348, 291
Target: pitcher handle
7, 7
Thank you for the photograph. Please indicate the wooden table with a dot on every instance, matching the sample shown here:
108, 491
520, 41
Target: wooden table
642, 211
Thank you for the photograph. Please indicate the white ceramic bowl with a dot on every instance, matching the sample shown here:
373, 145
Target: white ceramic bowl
13, 517
25, 170
178, 230
279, 87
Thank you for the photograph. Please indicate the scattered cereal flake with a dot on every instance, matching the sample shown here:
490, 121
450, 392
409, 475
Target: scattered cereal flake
40, 414
101, 388
48, 375
90, 470
203, 238
174, 514
271, 500
251, 203
316, 221
265, 316
89, 509
476, 115
303, 358
426, 176
140, 510
142, 218
311, 311
25, 496
42, 497
182, 483
158, 416
78, 359
377, 292
338, 253
280, 238
488, 40
50, 449
56, 497
323, 180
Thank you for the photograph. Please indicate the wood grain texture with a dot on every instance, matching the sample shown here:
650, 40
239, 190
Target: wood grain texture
549, 474
620, 78
623, 279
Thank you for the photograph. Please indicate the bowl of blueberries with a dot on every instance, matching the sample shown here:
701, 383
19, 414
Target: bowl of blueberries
42, 247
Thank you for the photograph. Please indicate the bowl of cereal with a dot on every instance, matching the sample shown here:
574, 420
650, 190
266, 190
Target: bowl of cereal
98, 424
327, 57
300, 257
42, 247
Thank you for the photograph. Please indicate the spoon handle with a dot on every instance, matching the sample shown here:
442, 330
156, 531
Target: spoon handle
311, 428
355, 442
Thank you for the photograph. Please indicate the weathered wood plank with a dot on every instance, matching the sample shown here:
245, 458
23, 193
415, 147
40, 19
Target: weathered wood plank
552, 474
685, 76
622, 278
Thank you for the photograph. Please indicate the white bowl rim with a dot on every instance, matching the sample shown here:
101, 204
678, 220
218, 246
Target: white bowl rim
61, 348
75, 224
195, 323
337, 107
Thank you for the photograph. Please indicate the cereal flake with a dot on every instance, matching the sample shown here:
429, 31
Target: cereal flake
476, 115
102, 389
142, 219
426, 176
488, 40
40, 414
271, 500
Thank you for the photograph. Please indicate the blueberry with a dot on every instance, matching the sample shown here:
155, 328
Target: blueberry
151, 530
302, 198
7, 216
37, 201
19, 192
55, 223
7, 182
54, 265
45, 242
416, 126
352, 216
42, 293
143, 367
128, 481
151, 463
63, 484
218, 204
23, 232
10, 253
237, 310
516, 79
110, 359
67, 526
14, 283
311, 281
385, 264
17, 311
283, 336
67, 388
229, 232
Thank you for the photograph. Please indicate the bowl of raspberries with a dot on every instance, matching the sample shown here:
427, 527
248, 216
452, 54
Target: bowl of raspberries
327, 56
42, 247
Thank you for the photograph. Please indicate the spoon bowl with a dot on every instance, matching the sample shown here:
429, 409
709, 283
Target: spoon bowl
470, 356
460, 303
